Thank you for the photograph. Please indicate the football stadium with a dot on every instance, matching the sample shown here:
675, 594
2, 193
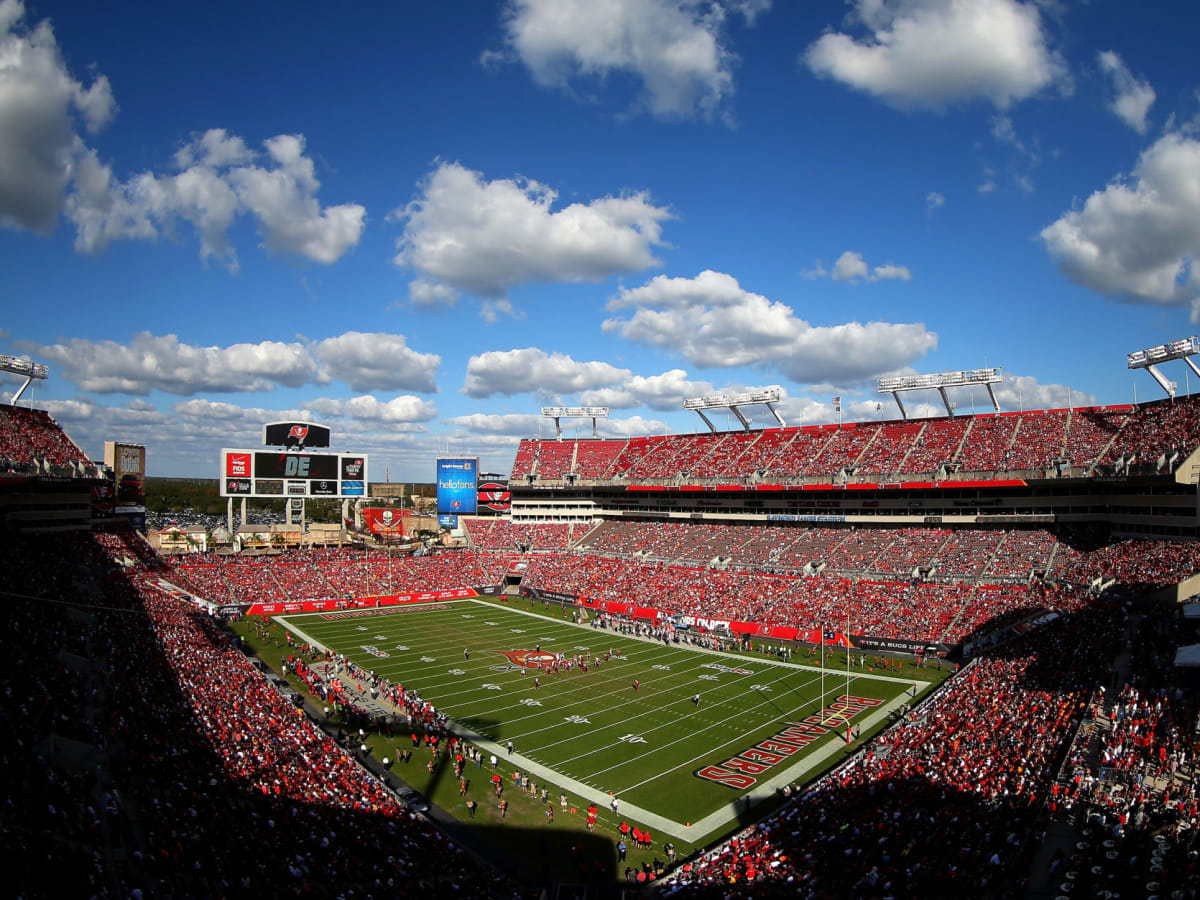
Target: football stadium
930, 657
600, 450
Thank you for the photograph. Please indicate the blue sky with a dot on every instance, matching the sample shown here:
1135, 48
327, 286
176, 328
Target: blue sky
419, 224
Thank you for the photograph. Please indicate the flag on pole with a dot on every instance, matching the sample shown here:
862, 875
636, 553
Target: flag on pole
837, 403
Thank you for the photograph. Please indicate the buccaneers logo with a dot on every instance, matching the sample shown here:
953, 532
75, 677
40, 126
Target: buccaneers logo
530, 659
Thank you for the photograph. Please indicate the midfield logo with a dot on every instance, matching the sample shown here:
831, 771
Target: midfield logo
530, 659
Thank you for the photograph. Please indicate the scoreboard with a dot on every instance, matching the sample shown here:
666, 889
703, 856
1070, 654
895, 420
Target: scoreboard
276, 474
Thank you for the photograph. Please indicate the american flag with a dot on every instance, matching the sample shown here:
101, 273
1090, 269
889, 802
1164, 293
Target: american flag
837, 403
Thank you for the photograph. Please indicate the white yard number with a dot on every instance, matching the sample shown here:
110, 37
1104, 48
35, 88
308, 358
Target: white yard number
529, 701
632, 739
577, 720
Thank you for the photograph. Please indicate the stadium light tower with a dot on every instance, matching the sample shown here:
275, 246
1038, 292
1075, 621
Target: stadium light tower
732, 402
26, 367
574, 412
1148, 359
939, 382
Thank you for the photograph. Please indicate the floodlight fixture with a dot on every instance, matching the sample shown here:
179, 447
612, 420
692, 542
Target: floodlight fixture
1148, 359
557, 413
26, 368
939, 381
764, 396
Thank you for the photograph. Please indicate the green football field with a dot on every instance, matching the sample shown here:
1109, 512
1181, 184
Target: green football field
684, 767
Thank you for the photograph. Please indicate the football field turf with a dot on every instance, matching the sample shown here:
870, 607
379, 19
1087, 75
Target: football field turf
759, 724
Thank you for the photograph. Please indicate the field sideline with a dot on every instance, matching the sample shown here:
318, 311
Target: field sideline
592, 734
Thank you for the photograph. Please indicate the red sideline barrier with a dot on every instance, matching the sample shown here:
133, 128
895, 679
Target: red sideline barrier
777, 632
273, 609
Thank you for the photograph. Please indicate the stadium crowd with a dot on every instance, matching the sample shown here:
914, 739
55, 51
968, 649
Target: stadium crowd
149, 743
987, 444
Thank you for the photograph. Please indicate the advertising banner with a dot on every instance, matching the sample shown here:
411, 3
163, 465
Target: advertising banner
456, 485
305, 606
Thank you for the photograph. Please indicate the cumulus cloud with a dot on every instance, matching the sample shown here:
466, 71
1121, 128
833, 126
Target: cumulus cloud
851, 266
713, 322
164, 363
512, 425
399, 409
1132, 97
1026, 392
378, 362
41, 104
531, 369
218, 178
484, 237
1138, 238
933, 53
673, 48
934, 201
664, 392
430, 294
634, 426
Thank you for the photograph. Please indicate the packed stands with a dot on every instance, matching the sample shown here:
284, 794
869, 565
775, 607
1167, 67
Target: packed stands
593, 458
949, 802
935, 446
154, 748
1032, 442
1155, 431
888, 451
28, 436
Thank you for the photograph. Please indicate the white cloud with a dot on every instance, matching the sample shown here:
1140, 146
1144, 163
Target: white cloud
218, 178
987, 186
713, 322
663, 392
634, 426
283, 200
399, 409
851, 266
430, 294
1132, 97
673, 48
485, 237
40, 102
378, 362
513, 425
163, 363
1018, 392
932, 53
934, 201
531, 369
324, 406
1138, 238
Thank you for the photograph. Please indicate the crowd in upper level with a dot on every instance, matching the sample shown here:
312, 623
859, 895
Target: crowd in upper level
29, 438
1145, 438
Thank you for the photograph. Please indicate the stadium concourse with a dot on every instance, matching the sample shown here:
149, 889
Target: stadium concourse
149, 756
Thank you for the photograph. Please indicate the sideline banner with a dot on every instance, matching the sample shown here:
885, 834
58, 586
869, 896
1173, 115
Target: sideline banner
274, 609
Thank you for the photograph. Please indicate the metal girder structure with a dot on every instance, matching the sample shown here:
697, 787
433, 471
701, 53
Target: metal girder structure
558, 413
939, 382
20, 366
733, 402
1149, 359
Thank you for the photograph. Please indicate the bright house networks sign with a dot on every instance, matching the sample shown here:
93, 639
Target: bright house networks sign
456, 485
